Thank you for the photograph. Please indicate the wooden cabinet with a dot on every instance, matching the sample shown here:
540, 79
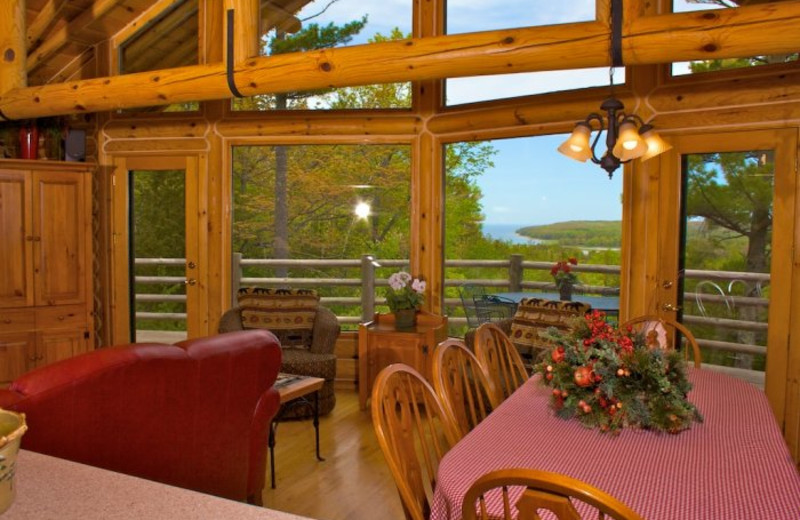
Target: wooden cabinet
380, 345
45, 263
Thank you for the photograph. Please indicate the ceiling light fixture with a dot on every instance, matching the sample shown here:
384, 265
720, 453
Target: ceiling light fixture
628, 137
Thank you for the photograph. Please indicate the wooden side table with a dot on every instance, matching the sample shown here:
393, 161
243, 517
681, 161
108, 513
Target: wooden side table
380, 345
294, 390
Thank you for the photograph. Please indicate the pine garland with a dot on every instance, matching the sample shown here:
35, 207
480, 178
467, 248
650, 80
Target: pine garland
611, 379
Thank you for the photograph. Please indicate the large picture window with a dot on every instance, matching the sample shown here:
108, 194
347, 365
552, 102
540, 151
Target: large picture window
319, 202
514, 200
322, 25
464, 16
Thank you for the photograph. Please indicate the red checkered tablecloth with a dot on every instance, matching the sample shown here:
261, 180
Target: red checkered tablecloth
733, 465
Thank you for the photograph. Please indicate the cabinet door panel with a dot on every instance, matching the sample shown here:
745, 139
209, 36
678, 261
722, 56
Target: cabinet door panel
59, 244
55, 345
16, 275
398, 349
17, 351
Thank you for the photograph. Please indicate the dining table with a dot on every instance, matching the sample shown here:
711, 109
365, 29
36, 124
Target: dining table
733, 464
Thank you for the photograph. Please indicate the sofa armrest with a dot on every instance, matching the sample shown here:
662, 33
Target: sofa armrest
231, 321
9, 398
326, 331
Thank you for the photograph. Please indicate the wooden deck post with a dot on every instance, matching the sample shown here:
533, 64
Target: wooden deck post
367, 287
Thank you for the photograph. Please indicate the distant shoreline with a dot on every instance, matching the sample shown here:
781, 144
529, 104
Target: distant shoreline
508, 233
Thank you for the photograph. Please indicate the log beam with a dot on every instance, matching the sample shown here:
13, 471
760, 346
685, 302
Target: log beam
12, 45
762, 29
245, 23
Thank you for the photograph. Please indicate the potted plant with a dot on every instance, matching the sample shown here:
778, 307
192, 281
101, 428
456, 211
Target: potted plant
564, 277
404, 297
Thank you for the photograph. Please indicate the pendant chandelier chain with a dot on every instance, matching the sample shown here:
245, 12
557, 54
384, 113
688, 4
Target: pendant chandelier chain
611, 56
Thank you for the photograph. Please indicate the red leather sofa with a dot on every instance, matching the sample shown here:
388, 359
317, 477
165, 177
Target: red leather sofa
194, 415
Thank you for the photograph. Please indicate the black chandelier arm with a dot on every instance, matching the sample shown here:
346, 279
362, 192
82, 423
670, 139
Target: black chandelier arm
595, 117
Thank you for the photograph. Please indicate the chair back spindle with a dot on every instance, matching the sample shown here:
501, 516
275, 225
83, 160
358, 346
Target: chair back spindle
669, 332
495, 351
462, 384
414, 432
528, 491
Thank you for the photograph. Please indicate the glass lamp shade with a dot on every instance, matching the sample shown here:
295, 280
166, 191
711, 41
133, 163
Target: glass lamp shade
629, 144
577, 145
655, 143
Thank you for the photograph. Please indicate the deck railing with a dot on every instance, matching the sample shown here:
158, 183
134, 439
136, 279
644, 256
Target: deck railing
715, 289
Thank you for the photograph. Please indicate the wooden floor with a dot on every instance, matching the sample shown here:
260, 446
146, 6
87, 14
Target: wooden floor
353, 483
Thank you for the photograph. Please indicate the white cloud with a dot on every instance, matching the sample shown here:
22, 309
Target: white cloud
482, 88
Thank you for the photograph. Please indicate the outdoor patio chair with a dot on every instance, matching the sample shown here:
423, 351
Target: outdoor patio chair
482, 307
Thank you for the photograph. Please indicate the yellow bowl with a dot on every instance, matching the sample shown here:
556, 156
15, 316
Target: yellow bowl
12, 426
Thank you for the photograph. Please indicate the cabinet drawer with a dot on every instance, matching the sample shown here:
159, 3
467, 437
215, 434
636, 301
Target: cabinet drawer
16, 321
62, 316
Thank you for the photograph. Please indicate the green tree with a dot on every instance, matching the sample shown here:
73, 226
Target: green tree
736, 63
734, 191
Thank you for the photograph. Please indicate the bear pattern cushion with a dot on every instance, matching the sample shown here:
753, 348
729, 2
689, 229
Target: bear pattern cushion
536, 315
287, 313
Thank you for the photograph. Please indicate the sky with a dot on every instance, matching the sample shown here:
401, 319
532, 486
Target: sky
530, 183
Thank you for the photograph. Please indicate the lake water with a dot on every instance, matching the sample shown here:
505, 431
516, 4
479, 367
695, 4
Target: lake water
508, 232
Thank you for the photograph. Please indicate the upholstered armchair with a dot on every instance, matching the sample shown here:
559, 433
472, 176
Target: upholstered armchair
306, 330
534, 316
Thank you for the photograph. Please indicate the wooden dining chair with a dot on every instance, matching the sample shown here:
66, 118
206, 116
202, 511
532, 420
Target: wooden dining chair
462, 384
414, 432
497, 494
665, 330
500, 357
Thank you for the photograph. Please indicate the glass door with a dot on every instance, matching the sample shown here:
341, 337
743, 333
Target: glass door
159, 292
731, 223
159, 274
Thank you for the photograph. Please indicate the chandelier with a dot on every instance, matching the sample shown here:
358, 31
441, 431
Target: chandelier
628, 137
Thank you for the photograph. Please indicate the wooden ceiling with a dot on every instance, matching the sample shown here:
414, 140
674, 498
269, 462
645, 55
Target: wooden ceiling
62, 35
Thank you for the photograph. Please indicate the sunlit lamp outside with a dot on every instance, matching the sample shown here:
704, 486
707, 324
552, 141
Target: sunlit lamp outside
363, 210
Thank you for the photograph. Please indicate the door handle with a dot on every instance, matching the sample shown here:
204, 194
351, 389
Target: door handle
670, 307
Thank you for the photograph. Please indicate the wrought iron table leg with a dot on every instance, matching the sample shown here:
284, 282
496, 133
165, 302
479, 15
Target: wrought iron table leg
272, 427
316, 421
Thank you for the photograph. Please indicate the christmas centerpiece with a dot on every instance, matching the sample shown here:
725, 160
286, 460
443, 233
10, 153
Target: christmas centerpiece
611, 379
404, 297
